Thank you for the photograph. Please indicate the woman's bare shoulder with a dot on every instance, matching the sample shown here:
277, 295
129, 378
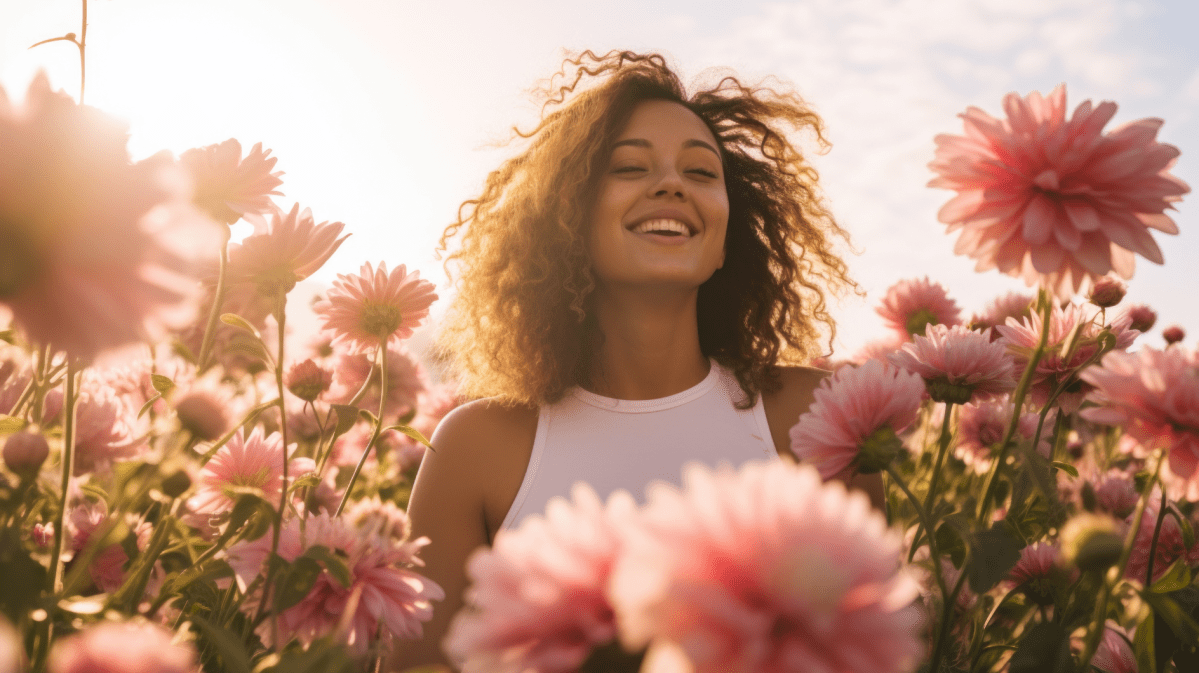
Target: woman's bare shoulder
481, 425
790, 400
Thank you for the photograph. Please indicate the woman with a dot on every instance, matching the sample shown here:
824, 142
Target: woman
631, 285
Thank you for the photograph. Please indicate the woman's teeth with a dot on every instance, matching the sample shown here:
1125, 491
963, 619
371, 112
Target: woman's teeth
669, 227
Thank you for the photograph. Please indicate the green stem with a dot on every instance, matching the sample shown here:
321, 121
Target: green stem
1018, 396
942, 448
926, 520
946, 615
345, 497
68, 467
218, 298
281, 320
1157, 531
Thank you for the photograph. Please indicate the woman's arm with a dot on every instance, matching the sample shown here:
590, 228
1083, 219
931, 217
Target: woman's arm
459, 492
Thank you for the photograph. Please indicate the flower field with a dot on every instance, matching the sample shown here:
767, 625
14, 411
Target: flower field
189, 484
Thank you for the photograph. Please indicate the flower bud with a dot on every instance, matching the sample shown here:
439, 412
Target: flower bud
307, 380
1091, 542
1173, 334
203, 415
1107, 292
1143, 317
25, 452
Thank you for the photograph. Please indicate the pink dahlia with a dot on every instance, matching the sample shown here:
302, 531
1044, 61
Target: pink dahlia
378, 517
1155, 396
538, 600
1115, 653
83, 268
1053, 200
406, 379
123, 647
384, 596
1016, 305
1022, 337
307, 380
291, 249
1038, 572
1116, 494
1171, 545
375, 306
981, 428
910, 305
104, 431
958, 364
855, 417
227, 186
254, 461
767, 569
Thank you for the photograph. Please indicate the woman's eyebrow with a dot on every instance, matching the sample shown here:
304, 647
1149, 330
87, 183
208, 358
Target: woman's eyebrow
641, 142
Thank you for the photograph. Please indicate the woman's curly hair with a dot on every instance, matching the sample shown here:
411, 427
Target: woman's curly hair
519, 328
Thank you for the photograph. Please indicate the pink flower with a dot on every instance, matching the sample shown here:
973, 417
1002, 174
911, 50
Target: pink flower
879, 349
1021, 339
291, 249
1116, 494
1011, 305
855, 416
1170, 543
1108, 292
383, 592
375, 306
1115, 653
958, 365
84, 522
376, 517
1155, 395
910, 305
1173, 334
103, 431
83, 268
227, 186
981, 428
767, 569
538, 596
1038, 571
405, 381
307, 380
256, 461
1052, 200
125, 647
1141, 317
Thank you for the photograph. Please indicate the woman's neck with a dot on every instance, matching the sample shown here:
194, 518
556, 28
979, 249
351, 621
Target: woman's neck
650, 345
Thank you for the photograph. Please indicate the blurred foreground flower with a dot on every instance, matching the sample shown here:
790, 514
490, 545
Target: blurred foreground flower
126, 647
1052, 200
538, 597
767, 570
84, 264
855, 418
375, 306
228, 187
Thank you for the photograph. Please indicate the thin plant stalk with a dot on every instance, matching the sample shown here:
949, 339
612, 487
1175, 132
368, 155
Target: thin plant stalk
218, 299
281, 320
70, 400
345, 497
1157, 531
942, 448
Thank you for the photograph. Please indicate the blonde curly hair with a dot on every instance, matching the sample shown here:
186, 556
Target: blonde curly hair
520, 328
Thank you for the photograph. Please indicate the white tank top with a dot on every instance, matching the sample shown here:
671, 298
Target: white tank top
627, 444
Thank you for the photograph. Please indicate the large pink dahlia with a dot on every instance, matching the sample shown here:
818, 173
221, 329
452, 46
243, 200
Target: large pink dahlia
1155, 395
855, 416
958, 364
122, 647
1052, 200
291, 249
386, 597
538, 598
82, 264
228, 186
375, 306
910, 305
766, 569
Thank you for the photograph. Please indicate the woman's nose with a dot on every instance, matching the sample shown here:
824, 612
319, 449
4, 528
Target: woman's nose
668, 183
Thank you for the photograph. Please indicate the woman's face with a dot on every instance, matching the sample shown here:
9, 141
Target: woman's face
661, 211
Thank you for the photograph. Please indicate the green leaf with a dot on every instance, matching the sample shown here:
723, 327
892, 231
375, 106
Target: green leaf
309, 480
1143, 646
368, 416
1067, 468
179, 348
163, 384
1166, 609
1045, 648
336, 565
994, 553
411, 432
1188, 531
297, 582
234, 320
11, 424
347, 416
1177, 577
230, 648
149, 403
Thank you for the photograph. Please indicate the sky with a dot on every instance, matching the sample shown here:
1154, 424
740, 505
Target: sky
387, 115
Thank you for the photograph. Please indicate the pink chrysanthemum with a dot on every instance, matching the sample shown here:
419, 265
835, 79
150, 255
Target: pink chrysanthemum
958, 364
538, 598
910, 305
1116, 494
981, 428
107, 566
1115, 653
307, 380
855, 416
383, 594
376, 517
126, 647
254, 461
1053, 200
375, 306
1016, 305
1171, 544
406, 379
291, 249
766, 569
1021, 338
83, 267
1155, 395
103, 431
1037, 572
227, 186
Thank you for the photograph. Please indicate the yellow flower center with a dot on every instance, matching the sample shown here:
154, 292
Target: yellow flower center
381, 320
